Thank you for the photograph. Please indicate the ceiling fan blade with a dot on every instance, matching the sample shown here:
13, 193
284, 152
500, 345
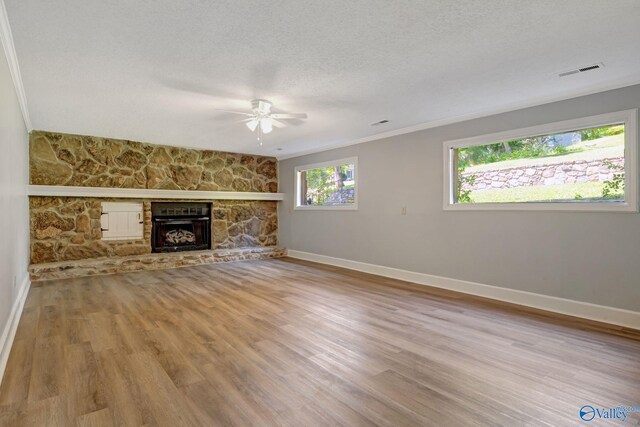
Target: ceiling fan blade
289, 116
278, 124
235, 112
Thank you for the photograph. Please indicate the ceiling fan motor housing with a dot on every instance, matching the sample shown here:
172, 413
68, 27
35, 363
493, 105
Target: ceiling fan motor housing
261, 106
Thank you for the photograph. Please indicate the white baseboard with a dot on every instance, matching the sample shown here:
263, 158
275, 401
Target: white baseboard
600, 313
9, 332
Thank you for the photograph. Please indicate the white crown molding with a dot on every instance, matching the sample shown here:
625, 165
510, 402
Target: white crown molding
10, 328
584, 310
142, 193
14, 68
465, 117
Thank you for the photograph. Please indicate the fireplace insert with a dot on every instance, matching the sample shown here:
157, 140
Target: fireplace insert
180, 226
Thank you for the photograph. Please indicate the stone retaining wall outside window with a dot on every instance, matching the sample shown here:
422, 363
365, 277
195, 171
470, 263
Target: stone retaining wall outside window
555, 173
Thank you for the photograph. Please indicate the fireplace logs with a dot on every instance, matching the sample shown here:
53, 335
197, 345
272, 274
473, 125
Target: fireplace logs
180, 236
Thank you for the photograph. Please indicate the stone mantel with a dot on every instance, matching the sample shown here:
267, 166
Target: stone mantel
144, 193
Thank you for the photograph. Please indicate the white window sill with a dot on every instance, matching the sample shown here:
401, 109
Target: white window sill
327, 208
617, 207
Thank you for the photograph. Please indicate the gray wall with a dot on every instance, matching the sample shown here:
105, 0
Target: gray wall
14, 212
591, 257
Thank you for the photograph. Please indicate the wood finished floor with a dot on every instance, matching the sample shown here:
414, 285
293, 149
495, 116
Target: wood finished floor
283, 342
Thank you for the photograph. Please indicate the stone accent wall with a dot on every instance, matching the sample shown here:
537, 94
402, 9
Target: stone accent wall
556, 173
241, 224
68, 228
87, 161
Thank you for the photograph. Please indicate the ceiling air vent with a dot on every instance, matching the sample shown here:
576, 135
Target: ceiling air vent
381, 122
582, 69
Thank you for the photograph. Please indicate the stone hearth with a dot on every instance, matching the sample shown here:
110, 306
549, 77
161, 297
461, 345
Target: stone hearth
156, 261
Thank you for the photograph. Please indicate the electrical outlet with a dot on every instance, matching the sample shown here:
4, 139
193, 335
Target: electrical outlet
403, 211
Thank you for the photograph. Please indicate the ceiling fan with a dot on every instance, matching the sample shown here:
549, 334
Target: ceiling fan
261, 118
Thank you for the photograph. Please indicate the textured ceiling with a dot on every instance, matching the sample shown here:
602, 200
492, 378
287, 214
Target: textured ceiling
157, 70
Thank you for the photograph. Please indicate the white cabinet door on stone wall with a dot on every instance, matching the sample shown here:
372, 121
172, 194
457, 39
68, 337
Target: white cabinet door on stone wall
121, 221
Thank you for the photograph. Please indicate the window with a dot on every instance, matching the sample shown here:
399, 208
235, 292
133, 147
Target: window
328, 185
586, 164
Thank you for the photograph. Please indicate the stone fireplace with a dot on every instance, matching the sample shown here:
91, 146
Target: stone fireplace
212, 222
180, 226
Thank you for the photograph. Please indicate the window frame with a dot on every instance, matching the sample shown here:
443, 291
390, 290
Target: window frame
628, 117
297, 205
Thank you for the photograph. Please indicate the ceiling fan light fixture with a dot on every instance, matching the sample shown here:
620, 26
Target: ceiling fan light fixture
253, 124
262, 120
265, 125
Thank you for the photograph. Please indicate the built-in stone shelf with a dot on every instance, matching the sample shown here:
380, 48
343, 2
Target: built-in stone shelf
144, 193
154, 261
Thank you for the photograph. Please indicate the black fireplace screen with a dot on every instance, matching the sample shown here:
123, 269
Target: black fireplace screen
180, 227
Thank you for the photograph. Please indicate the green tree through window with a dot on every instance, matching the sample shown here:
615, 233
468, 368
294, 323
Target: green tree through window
328, 186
